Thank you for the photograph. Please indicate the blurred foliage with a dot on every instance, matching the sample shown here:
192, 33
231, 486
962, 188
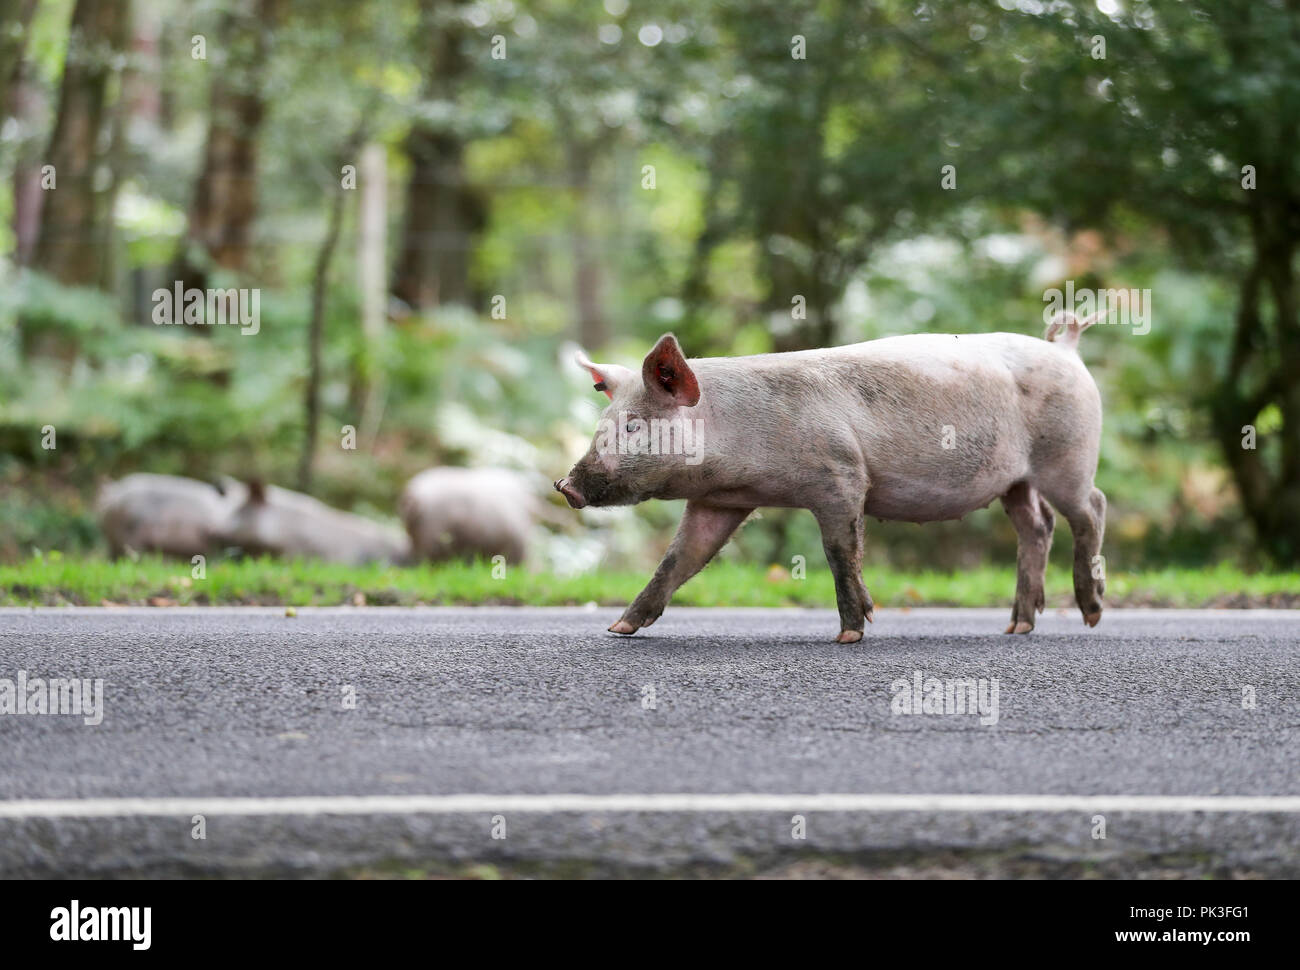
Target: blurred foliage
773, 176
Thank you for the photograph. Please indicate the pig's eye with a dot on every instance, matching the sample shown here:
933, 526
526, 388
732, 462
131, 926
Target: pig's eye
633, 426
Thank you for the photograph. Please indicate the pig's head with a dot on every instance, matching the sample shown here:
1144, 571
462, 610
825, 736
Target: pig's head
647, 436
247, 523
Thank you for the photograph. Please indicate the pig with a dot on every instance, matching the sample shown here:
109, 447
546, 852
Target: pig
468, 513
161, 513
286, 523
917, 428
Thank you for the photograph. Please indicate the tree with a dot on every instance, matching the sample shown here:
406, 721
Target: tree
442, 212
316, 328
1187, 116
835, 137
16, 16
224, 204
73, 215
26, 102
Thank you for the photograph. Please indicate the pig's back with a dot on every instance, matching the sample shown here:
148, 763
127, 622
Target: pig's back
942, 423
468, 512
1013, 350
957, 420
910, 370
1016, 352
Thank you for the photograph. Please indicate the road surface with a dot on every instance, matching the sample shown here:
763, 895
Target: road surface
389, 740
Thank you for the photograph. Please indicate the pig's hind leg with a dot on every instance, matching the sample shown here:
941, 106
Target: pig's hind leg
1085, 509
702, 532
1087, 519
1034, 523
842, 530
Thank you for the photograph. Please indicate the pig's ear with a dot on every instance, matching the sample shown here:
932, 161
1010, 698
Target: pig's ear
667, 376
606, 377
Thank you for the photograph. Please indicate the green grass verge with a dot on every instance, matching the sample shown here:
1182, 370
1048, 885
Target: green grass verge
53, 580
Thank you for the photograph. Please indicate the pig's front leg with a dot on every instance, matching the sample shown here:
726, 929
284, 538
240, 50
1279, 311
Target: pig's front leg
702, 532
842, 539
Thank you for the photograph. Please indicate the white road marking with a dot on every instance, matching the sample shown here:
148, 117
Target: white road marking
686, 802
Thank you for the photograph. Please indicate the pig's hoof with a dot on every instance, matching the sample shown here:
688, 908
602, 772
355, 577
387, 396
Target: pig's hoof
1092, 618
623, 627
1021, 627
849, 636
871, 616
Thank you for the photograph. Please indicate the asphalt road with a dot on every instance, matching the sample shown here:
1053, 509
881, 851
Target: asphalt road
252, 704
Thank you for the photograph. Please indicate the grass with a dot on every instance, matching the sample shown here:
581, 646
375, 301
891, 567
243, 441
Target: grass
54, 580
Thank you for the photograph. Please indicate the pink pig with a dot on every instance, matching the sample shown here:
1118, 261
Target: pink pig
915, 428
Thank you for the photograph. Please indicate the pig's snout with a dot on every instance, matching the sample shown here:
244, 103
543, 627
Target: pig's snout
570, 492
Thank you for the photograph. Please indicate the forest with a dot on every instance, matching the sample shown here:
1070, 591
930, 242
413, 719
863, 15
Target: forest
413, 213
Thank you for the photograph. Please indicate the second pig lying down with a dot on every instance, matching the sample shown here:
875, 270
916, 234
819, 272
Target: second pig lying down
167, 514
916, 428
280, 522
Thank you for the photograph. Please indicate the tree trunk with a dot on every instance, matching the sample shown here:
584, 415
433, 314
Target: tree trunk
16, 18
593, 324
115, 160
802, 268
366, 387
219, 230
30, 106
443, 213
695, 289
1283, 540
73, 214
1269, 490
801, 275
315, 336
